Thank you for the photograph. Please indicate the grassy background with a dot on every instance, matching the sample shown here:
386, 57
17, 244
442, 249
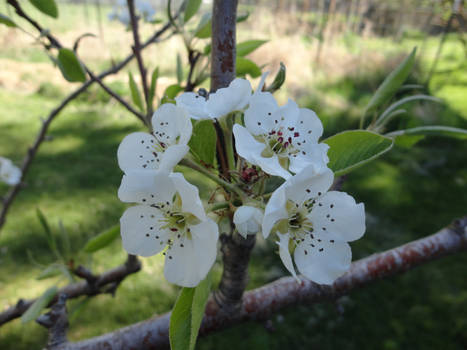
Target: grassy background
407, 194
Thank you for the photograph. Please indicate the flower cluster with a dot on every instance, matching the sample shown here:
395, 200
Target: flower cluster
9, 173
312, 223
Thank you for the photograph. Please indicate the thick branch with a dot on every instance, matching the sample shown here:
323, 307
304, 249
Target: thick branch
11, 195
260, 303
104, 283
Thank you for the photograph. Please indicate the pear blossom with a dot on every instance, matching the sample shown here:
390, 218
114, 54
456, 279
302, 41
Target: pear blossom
170, 214
9, 173
248, 220
315, 224
162, 149
121, 13
279, 139
233, 98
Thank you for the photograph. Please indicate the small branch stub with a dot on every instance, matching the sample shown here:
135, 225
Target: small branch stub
56, 321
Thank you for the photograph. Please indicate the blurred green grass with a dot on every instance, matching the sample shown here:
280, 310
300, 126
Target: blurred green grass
407, 194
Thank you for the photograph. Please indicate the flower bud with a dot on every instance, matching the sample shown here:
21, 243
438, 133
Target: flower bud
248, 220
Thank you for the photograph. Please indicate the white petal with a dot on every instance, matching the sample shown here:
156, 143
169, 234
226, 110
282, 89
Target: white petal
9, 173
191, 203
137, 151
258, 116
337, 213
146, 187
284, 254
171, 124
194, 104
275, 210
309, 126
248, 220
189, 264
271, 166
324, 262
313, 153
172, 156
287, 115
246, 145
141, 232
235, 97
310, 183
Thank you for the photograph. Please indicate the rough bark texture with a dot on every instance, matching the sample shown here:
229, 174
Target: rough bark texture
223, 55
260, 303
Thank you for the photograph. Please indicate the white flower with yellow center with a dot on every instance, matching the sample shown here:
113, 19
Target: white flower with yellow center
9, 173
315, 225
161, 150
280, 140
233, 98
170, 215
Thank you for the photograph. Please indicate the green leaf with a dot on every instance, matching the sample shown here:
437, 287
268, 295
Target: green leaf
40, 304
243, 17
69, 65
49, 271
49, 7
203, 141
246, 66
278, 80
249, 46
433, 130
391, 84
351, 149
207, 49
408, 141
102, 240
135, 95
187, 315
388, 113
6, 21
152, 89
172, 90
179, 69
203, 30
48, 233
191, 8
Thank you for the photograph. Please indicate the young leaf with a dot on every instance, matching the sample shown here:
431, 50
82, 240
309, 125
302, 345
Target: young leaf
172, 90
278, 80
135, 95
49, 271
207, 49
102, 240
40, 304
203, 30
203, 141
246, 66
351, 149
6, 21
391, 84
152, 89
179, 69
187, 315
191, 8
48, 233
435, 130
49, 7
249, 46
69, 65
243, 17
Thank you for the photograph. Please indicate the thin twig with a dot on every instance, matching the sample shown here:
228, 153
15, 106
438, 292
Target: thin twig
8, 199
97, 286
139, 58
259, 304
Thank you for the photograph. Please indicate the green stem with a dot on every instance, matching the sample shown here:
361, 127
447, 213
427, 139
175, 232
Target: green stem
227, 125
218, 206
228, 186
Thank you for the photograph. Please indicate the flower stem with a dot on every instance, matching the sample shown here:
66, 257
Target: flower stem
218, 206
228, 186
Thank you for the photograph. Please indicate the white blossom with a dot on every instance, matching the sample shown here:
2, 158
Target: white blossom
9, 173
161, 150
121, 13
170, 214
248, 220
314, 224
280, 140
233, 98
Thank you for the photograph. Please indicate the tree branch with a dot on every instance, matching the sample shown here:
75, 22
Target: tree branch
259, 304
8, 199
91, 286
